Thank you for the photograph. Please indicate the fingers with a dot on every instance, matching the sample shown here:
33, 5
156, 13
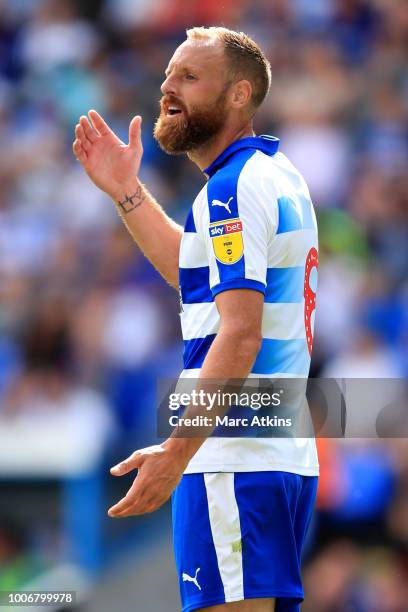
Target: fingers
150, 489
132, 510
90, 132
123, 506
79, 152
85, 136
80, 135
135, 130
131, 463
99, 124
128, 502
136, 502
126, 505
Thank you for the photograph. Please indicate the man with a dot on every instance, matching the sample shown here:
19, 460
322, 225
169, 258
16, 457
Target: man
242, 507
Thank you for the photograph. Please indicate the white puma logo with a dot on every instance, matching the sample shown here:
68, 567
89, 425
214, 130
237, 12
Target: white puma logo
187, 578
223, 204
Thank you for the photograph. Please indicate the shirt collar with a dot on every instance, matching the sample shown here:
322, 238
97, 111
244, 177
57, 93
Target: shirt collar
266, 144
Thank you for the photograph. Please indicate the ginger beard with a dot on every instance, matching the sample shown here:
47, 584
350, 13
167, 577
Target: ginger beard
192, 129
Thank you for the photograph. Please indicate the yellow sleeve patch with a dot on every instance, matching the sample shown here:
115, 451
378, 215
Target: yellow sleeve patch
227, 240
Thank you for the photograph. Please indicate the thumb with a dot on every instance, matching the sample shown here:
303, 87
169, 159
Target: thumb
135, 131
131, 463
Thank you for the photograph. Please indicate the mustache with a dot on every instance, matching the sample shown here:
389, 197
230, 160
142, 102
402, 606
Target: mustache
169, 100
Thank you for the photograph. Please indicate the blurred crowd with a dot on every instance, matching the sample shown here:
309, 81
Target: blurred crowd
87, 325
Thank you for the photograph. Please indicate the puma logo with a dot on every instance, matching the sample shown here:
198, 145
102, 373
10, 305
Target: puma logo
187, 578
223, 204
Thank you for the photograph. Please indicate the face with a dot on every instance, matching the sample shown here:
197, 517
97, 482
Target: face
193, 108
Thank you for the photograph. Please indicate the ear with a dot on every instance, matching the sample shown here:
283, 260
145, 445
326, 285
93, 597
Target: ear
241, 94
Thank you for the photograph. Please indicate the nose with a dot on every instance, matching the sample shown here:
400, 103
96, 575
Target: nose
167, 86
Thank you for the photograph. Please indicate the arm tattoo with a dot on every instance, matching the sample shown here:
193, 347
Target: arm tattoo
133, 201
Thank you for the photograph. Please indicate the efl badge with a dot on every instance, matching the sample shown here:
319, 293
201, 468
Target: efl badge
227, 240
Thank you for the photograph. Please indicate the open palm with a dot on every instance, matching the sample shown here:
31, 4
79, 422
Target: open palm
109, 162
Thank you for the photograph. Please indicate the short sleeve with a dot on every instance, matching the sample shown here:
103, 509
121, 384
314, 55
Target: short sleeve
237, 230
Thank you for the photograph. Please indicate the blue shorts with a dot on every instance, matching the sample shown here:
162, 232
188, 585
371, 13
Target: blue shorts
240, 536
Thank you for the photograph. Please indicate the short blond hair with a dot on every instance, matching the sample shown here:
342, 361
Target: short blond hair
246, 59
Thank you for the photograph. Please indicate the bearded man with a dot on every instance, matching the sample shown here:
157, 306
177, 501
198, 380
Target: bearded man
246, 267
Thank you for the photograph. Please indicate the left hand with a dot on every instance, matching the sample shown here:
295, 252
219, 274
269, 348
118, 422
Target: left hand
159, 472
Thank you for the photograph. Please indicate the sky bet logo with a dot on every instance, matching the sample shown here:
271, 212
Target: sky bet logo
226, 227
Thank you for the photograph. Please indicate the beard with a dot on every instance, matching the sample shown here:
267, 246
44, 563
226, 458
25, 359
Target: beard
189, 130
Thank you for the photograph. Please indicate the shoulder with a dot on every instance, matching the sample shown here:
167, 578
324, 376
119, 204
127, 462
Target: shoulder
246, 169
258, 185
260, 168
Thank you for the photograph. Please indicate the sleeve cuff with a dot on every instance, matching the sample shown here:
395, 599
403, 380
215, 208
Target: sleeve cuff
238, 283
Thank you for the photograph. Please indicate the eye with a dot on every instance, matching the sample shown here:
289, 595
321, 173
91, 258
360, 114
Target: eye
190, 77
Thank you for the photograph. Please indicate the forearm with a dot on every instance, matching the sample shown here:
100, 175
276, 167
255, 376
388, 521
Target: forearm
157, 235
230, 357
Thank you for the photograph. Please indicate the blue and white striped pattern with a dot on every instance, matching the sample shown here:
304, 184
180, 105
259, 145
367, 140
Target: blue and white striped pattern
263, 189
279, 230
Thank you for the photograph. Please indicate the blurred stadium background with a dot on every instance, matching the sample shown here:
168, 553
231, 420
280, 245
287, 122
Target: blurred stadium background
87, 326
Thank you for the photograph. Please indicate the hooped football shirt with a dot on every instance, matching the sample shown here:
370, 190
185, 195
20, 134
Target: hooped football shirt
252, 226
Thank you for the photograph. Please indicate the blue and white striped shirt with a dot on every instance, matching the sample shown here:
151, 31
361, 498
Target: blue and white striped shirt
252, 226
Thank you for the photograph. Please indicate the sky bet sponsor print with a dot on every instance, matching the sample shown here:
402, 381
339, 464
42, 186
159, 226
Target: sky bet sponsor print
227, 240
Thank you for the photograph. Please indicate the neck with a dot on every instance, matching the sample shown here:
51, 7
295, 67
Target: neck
205, 155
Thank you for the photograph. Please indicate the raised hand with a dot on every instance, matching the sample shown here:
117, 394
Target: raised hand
110, 163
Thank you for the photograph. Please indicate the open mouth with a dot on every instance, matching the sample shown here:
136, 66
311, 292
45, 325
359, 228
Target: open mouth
173, 110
